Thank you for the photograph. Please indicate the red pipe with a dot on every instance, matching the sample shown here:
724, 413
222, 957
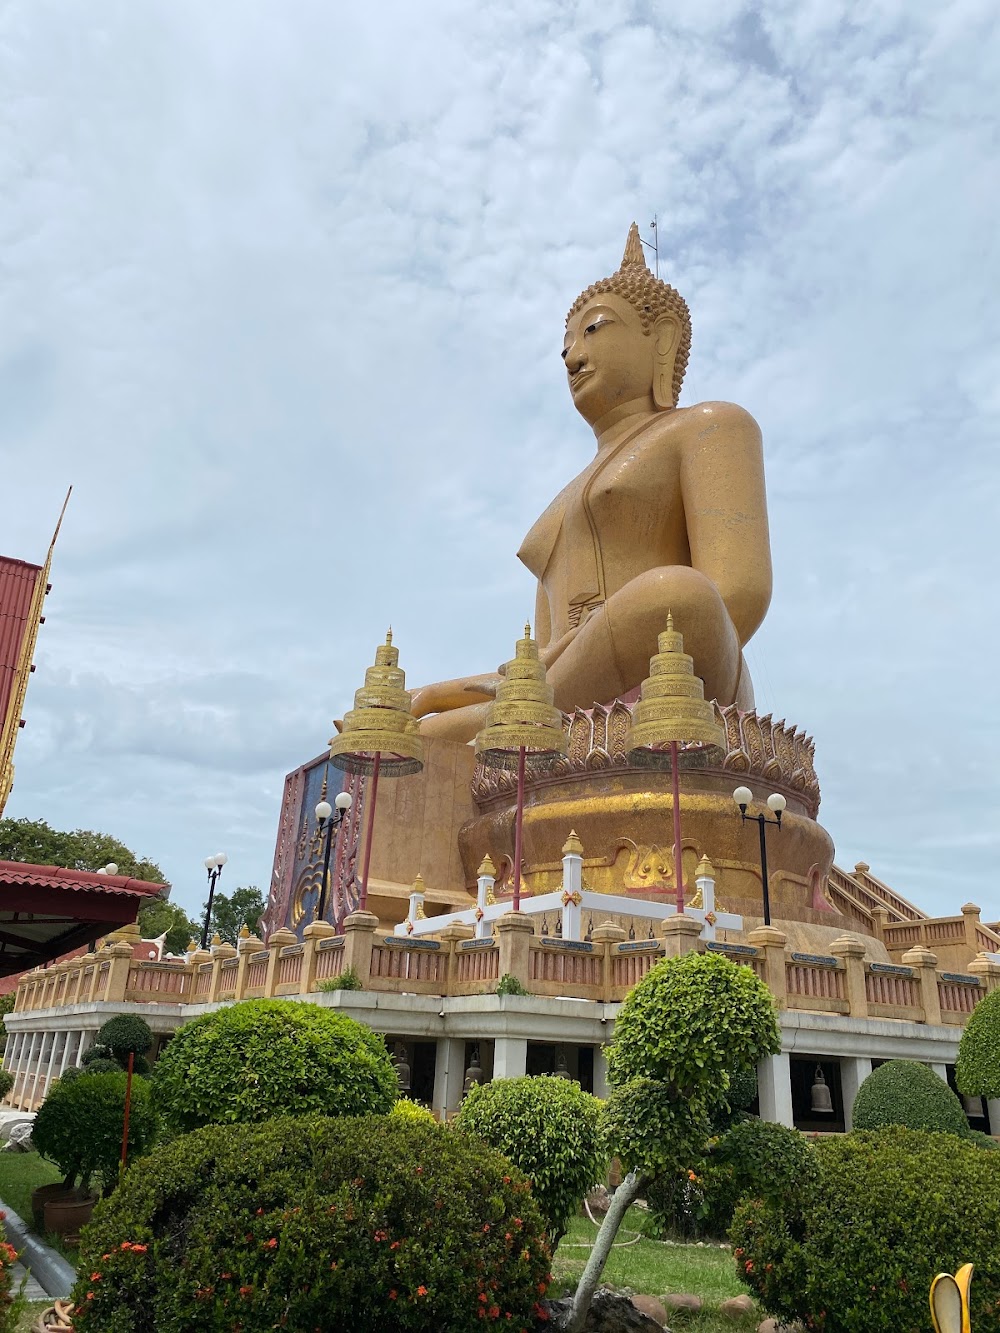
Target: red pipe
363, 903
678, 851
128, 1108
517, 829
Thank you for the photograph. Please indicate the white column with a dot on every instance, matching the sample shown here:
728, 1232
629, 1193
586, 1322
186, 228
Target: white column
940, 1070
774, 1089
449, 1075
71, 1040
86, 1041
39, 1068
19, 1075
572, 888
510, 1057
601, 1088
993, 1109
704, 881
853, 1072
50, 1067
484, 891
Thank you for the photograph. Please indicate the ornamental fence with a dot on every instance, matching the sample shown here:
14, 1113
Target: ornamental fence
604, 967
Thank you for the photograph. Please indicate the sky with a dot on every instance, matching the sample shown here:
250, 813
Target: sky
282, 290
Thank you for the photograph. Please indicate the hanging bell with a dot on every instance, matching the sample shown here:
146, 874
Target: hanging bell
402, 1069
561, 1070
474, 1073
821, 1102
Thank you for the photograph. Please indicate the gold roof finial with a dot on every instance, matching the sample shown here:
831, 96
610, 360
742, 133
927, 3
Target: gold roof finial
522, 714
704, 869
572, 846
380, 722
634, 256
486, 867
672, 705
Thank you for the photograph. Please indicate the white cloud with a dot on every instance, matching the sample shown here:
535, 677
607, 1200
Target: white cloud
283, 290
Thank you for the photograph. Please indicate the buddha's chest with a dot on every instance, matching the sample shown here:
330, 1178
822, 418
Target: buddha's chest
621, 508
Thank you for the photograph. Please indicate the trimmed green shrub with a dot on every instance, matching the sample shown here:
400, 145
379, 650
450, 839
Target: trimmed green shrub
983, 1140
101, 1064
856, 1252
754, 1158
905, 1092
346, 980
692, 1022
96, 1051
79, 1126
374, 1225
549, 1128
406, 1109
511, 985
126, 1034
265, 1058
977, 1071
6, 1082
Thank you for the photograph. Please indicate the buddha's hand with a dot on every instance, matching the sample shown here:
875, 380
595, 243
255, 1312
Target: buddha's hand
448, 694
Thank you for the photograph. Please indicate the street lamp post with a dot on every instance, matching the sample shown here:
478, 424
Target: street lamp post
329, 821
213, 864
776, 804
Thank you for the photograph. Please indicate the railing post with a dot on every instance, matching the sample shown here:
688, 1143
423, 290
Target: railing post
771, 943
487, 875
514, 930
970, 917
121, 958
311, 936
880, 919
680, 935
572, 887
988, 972
359, 936
850, 950
279, 940
607, 936
220, 954
924, 963
246, 946
451, 937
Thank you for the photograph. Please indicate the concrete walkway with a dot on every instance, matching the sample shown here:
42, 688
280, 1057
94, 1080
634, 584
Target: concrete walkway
34, 1291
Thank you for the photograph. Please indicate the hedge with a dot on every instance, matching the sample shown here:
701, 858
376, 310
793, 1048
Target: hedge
978, 1069
905, 1092
376, 1225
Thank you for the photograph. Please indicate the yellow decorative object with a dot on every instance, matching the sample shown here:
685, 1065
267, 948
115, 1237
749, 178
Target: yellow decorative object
380, 723
487, 867
950, 1301
574, 899
672, 705
522, 715
704, 869
572, 846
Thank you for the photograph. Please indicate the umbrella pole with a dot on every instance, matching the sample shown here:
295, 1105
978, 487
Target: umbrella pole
518, 819
678, 859
363, 901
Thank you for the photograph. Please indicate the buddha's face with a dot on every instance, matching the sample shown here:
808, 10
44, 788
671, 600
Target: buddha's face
609, 359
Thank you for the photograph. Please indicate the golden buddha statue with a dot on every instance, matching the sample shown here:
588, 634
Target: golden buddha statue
670, 515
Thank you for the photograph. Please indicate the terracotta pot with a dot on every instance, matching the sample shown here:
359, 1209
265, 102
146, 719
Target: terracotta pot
41, 1196
65, 1216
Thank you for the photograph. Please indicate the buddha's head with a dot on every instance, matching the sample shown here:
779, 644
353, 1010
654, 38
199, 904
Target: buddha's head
627, 339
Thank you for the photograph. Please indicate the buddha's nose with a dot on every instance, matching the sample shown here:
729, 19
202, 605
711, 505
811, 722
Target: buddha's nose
576, 358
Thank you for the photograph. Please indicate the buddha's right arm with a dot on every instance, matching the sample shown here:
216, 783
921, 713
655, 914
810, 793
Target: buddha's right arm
445, 695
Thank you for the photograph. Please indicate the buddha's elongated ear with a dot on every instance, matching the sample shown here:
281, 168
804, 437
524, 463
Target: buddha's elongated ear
666, 335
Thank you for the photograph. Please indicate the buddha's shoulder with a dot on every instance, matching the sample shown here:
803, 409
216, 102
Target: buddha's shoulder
701, 418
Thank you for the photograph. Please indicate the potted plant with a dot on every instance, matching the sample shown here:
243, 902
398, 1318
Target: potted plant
79, 1127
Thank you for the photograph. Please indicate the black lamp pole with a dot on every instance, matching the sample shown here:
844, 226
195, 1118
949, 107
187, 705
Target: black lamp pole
776, 803
214, 866
329, 821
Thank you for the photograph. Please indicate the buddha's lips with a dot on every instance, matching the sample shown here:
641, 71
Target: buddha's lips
578, 376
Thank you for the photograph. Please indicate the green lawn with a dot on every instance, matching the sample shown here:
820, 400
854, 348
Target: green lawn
654, 1267
20, 1173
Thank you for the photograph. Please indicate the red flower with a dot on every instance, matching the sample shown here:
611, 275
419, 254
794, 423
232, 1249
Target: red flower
245, 1291
392, 1294
494, 1312
271, 1244
95, 1277
421, 1291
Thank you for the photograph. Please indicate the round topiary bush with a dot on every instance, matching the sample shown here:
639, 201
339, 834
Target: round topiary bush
126, 1034
977, 1071
668, 1028
266, 1058
407, 1109
754, 1158
79, 1126
373, 1225
905, 1092
6, 1082
857, 1252
101, 1064
551, 1129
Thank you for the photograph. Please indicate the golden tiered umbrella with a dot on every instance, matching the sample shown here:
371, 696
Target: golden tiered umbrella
380, 735
522, 722
671, 709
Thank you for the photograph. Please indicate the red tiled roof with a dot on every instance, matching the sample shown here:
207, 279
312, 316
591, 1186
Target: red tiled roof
18, 581
81, 881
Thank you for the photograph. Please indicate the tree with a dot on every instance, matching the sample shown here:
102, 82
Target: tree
158, 917
230, 912
978, 1069
679, 1037
34, 841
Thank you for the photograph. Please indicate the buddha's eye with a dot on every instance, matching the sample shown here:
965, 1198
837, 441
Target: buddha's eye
592, 328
